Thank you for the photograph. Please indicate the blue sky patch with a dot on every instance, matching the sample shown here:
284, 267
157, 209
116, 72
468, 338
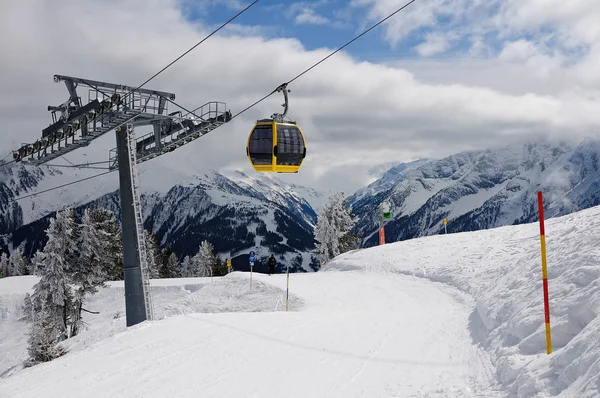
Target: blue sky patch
316, 24
331, 23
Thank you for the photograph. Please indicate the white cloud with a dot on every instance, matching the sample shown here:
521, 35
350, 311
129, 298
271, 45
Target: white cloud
355, 115
571, 29
435, 43
417, 15
309, 16
305, 13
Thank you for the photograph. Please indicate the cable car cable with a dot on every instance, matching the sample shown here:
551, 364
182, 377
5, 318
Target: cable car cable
200, 42
59, 186
196, 45
256, 102
324, 59
277, 146
171, 64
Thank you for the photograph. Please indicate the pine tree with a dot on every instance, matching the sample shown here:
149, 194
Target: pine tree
90, 271
187, 267
105, 221
172, 267
19, 263
37, 263
16, 263
28, 309
333, 229
220, 267
43, 339
53, 293
349, 241
4, 265
204, 260
152, 253
164, 270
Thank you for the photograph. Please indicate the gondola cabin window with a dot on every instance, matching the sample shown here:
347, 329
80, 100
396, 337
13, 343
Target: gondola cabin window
261, 145
290, 145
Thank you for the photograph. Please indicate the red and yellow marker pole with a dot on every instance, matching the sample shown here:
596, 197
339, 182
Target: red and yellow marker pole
544, 274
381, 236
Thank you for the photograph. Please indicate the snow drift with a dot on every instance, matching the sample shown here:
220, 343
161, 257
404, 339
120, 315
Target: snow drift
501, 269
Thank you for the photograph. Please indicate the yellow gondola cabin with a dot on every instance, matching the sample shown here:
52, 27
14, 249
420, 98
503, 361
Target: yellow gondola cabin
276, 147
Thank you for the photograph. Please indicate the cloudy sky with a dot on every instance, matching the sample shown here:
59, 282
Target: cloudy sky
441, 77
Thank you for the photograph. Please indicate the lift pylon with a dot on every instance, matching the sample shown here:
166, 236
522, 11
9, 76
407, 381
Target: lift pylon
122, 108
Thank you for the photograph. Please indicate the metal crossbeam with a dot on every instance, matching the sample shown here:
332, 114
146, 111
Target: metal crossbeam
109, 106
178, 131
110, 86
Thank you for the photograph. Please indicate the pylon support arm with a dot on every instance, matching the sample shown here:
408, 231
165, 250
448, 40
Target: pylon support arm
111, 86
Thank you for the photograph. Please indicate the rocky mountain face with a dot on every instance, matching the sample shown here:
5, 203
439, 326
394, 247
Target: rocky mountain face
479, 190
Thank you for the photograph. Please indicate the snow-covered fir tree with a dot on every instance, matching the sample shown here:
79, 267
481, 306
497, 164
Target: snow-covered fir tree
37, 263
204, 260
53, 292
90, 270
43, 339
220, 268
171, 267
25, 265
169, 264
4, 265
27, 309
332, 232
74, 263
13, 265
187, 267
112, 259
18, 263
152, 253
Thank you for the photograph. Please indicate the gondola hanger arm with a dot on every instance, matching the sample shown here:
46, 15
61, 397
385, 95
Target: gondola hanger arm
278, 117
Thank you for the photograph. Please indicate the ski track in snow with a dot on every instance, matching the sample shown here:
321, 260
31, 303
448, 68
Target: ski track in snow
349, 334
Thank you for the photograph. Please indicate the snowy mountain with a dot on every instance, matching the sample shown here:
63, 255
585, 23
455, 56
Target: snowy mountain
239, 212
236, 214
480, 190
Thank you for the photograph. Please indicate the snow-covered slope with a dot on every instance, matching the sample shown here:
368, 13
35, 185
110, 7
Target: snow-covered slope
344, 336
457, 315
501, 269
480, 189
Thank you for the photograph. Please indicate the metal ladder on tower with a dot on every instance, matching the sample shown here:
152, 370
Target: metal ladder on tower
144, 260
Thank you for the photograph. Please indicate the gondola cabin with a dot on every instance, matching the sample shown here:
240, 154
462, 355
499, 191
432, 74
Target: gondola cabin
276, 147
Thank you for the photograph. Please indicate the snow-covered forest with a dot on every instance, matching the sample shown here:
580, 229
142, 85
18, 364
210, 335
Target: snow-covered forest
81, 254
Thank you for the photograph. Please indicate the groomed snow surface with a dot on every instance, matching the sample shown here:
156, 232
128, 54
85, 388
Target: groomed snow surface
457, 315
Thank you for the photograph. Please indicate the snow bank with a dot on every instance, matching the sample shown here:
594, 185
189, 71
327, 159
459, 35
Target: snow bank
355, 336
170, 297
501, 269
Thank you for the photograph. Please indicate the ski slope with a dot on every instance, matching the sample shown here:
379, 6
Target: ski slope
457, 315
355, 335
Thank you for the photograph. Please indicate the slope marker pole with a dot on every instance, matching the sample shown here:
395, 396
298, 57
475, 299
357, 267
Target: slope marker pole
544, 274
287, 293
